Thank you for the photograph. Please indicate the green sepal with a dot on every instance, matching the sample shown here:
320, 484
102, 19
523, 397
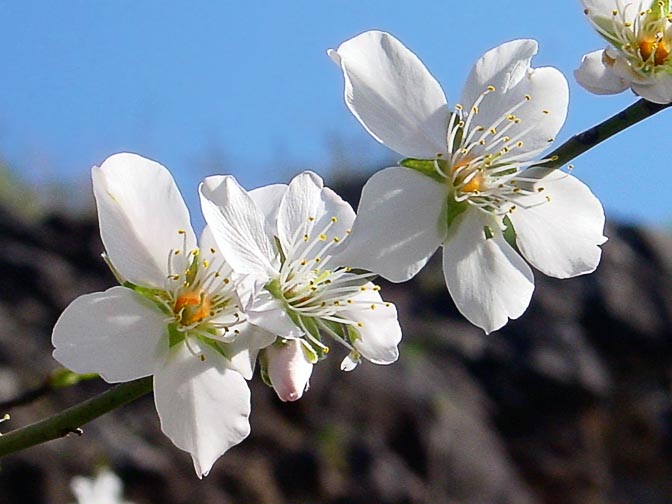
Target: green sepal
311, 353
63, 377
263, 369
454, 209
425, 166
174, 336
488, 232
353, 335
153, 295
509, 232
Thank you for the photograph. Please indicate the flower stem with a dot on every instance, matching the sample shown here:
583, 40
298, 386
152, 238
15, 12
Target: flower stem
70, 420
588, 139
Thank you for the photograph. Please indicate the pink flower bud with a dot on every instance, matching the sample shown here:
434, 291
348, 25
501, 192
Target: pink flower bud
288, 369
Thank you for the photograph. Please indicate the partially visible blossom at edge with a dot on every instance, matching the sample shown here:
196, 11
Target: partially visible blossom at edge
105, 488
640, 36
469, 181
176, 315
283, 240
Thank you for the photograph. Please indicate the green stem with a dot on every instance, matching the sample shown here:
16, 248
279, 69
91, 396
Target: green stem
588, 139
70, 420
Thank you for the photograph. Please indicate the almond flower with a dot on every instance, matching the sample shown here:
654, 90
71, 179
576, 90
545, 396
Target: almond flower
176, 315
282, 239
640, 36
105, 488
469, 181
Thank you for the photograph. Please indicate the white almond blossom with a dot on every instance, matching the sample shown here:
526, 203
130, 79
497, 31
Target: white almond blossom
105, 488
469, 181
282, 240
176, 315
640, 36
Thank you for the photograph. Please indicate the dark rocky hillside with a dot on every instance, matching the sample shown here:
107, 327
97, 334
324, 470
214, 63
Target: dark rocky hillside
571, 404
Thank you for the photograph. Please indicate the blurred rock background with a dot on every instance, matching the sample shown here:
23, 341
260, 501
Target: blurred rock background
571, 404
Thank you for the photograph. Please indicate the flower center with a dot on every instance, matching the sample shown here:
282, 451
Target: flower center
484, 163
656, 48
192, 307
318, 298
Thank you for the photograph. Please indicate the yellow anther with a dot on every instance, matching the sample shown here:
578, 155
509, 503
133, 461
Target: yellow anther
373, 306
490, 88
528, 97
360, 324
334, 220
212, 250
311, 219
323, 237
306, 237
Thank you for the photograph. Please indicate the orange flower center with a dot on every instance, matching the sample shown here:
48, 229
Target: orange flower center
475, 182
652, 47
192, 307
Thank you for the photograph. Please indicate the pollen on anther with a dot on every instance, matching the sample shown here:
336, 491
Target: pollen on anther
181, 231
311, 218
540, 189
317, 259
376, 288
349, 301
546, 111
306, 237
491, 88
336, 239
512, 209
334, 220
323, 237
176, 252
548, 198
202, 357
226, 281
387, 305
527, 97
363, 288
212, 250
373, 306
360, 324
303, 262
519, 143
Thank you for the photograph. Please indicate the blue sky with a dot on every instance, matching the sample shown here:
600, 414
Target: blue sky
246, 87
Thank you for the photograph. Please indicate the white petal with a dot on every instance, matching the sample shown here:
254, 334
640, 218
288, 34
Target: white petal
116, 333
267, 199
238, 226
603, 9
540, 95
561, 238
489, 282
242, 352
288, 369
308, 209
399, 225
203, 405
377, 325
658, 90
393, 95
597, 77
267, 312
141, 211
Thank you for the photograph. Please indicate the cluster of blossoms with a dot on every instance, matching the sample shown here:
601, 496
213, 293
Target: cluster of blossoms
283, 271
640, 36
263, 282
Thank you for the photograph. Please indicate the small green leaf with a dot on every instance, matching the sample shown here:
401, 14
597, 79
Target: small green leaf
425, 166
65, 378
454, 209
510, 232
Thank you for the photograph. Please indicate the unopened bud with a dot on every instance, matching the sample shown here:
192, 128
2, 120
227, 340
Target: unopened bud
288, 369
